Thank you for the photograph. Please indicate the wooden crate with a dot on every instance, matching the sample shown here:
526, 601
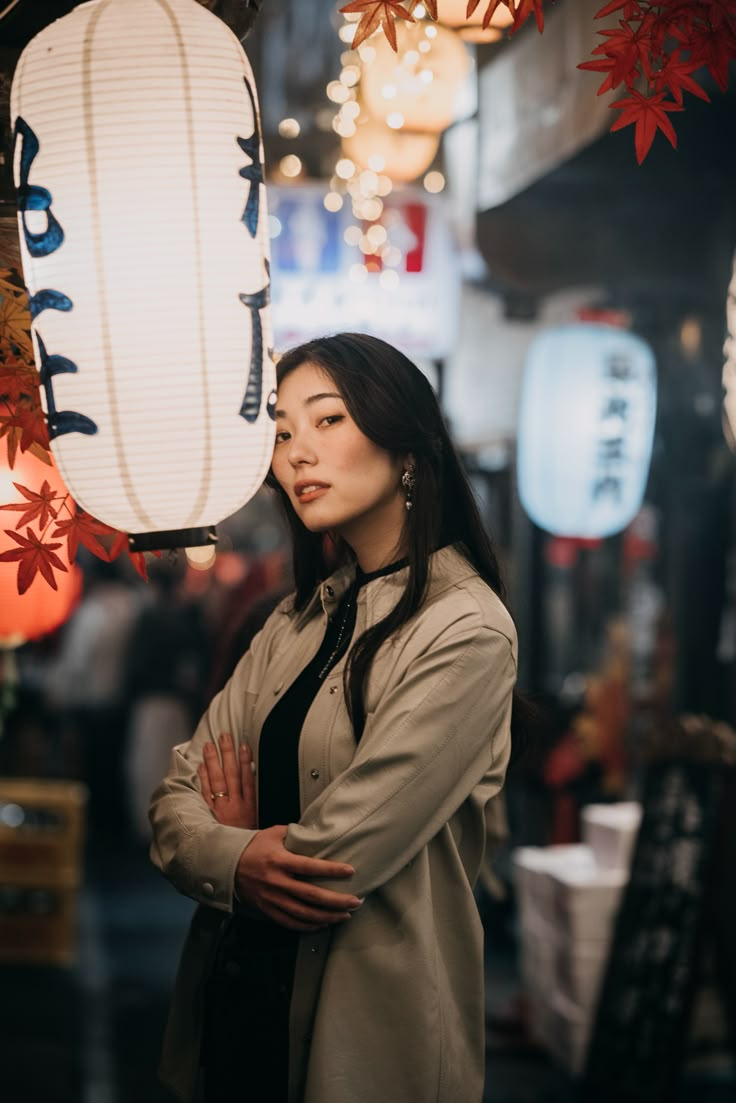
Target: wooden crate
38, 925
42, 826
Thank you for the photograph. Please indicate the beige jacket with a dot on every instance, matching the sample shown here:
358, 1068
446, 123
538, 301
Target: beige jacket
390, 1005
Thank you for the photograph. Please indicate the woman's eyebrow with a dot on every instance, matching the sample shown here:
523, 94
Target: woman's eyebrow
312, 399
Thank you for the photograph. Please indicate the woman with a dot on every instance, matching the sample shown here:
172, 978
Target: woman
374, 712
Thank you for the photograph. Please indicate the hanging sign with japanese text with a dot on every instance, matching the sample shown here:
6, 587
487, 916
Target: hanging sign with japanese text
586, 428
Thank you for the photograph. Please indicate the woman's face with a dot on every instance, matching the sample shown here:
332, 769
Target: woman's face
336, 478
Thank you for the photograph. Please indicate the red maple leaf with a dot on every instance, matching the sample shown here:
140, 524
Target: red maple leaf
29, 419
675, 76
632, 9
375, 14
630, 48
493, 6
33, 557
13, 434
121, 544
714, 47
720, 12
607, 65
648, 114
40, 506
522, 11
430, 5
82, 528
17, 379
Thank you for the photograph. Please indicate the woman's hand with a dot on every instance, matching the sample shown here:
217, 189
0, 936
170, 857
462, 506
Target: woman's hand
229, 789
271, 878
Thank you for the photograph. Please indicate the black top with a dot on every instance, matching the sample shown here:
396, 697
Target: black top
278, 755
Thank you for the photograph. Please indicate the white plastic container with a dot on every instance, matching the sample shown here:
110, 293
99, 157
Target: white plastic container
610, 830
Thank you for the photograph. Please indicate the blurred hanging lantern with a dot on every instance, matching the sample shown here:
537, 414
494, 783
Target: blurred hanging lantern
138, 163
421, 82
401, 155
453, 13
40, 609
586, 426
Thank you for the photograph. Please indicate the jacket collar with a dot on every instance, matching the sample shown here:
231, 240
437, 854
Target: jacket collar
447, 568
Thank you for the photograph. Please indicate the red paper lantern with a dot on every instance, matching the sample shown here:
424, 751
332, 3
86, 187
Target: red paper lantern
40, 609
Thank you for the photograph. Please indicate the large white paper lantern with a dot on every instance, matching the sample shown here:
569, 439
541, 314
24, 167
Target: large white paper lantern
142, 212
586, 426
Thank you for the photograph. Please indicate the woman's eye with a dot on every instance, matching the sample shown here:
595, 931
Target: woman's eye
331, 419
282, 436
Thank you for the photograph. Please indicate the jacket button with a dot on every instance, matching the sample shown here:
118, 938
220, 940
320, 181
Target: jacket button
208, 889
333, 689
329, 591
315, 949
314, 774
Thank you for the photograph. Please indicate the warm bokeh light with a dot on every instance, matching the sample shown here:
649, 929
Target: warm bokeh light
201, 559
344, 168
290, 165
350, 75
289, 128
333, 201
337, 92
434, 181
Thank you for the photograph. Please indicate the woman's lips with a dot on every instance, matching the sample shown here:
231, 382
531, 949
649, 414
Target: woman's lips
309, 491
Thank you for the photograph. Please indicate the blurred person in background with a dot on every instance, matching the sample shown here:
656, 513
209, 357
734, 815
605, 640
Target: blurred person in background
85, 686
329, 814
165, 672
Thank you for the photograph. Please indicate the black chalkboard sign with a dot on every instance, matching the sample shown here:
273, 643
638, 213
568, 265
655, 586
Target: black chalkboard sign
643, 1012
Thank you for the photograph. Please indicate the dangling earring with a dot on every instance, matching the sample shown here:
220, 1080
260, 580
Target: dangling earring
409, 481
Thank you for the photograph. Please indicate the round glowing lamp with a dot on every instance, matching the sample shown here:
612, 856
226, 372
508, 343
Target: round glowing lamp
422, 87
142, 212
586, 426
40, 609
403, 155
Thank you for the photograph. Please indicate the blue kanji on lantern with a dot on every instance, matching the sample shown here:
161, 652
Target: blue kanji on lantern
47, 299
31, 197
60, 421
251, 406
253, 172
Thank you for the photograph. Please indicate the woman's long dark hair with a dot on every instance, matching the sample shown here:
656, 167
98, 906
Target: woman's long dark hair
393, 404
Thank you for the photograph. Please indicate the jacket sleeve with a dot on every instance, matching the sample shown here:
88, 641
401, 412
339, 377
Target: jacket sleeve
195, 852
430, 741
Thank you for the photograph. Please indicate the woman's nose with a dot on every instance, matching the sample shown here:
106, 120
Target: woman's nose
300, 450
